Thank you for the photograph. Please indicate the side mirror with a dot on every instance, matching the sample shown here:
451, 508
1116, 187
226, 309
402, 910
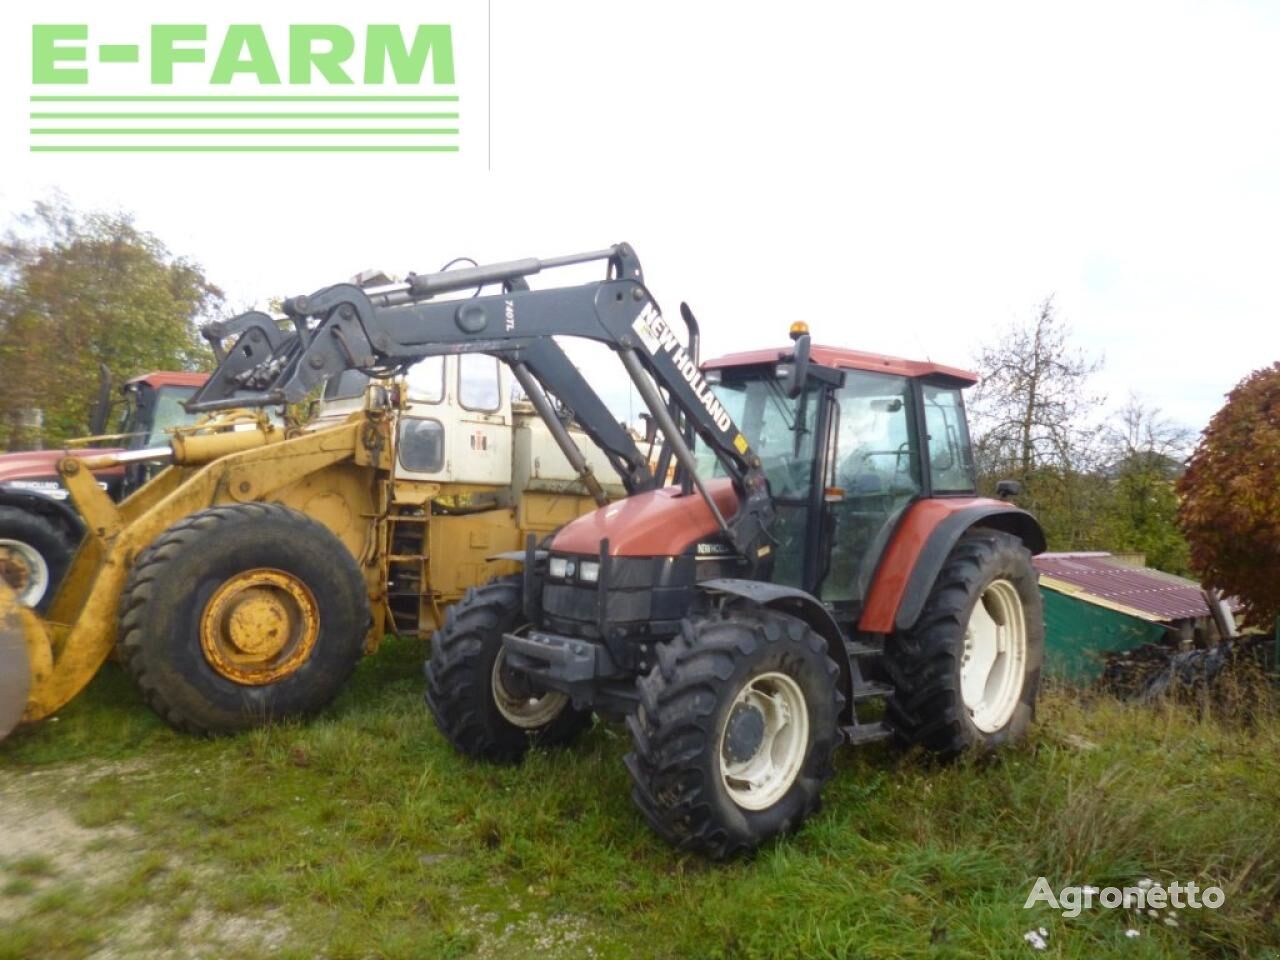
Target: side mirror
1008, 489
799, 372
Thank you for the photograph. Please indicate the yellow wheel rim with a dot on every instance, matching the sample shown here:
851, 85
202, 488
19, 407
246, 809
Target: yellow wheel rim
259, 626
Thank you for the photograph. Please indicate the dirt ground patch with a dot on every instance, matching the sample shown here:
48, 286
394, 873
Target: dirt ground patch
40, 843
43, 848
148, 934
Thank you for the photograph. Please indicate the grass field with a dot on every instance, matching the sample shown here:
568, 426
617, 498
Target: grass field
364, 835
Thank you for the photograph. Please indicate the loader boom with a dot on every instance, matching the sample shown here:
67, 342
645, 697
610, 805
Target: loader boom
345, 327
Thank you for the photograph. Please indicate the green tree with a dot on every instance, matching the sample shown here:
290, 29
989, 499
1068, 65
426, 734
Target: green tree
1030, 412
82, 289
1230, 500
1145, 453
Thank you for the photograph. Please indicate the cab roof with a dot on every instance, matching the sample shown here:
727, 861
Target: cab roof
170, 378
844, 359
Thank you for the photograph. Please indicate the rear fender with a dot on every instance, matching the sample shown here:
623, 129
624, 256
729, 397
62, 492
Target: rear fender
802, 606
920, 546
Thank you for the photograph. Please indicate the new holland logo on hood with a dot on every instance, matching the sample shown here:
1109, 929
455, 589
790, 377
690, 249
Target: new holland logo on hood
657, 337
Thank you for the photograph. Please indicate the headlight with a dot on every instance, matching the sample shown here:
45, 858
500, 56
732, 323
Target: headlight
589, 572
561, 568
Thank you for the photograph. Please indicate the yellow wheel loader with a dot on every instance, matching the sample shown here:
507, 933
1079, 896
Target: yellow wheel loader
245, 580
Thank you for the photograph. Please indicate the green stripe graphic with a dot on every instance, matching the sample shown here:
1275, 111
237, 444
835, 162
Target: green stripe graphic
248, 148
218, 131
243, 116
245, 99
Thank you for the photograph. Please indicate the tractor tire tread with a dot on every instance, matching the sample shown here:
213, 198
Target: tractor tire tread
674, 724
926, 708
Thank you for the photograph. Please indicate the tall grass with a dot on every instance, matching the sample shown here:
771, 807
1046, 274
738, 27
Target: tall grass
365, 835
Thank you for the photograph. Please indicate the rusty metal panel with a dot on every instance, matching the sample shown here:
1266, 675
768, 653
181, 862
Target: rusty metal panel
1106, 579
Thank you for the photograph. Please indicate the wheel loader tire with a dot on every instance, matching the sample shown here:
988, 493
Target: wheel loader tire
240, 615
733, 737
481, 706
34, 556
966, 676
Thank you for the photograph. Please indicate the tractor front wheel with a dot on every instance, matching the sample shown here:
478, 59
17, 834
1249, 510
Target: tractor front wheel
734, 734
966, 676
242, 614
34, 556
484, 707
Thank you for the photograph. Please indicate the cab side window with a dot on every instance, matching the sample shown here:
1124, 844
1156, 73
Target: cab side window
950, 452
479, 383
425, 380
874, 453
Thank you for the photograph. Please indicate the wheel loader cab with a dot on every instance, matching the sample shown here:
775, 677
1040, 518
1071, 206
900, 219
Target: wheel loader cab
454, 423
863, 439
463, 420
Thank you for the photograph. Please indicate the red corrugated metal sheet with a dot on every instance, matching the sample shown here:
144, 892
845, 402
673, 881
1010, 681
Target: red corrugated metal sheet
1105, 577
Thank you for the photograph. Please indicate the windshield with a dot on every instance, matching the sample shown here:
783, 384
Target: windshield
169, 414
779, 429
166, 415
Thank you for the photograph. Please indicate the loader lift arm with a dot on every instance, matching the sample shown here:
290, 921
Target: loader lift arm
345, 327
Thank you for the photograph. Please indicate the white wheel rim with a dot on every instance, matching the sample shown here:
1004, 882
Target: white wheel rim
528, 713
24, 570
994, 660
764, 740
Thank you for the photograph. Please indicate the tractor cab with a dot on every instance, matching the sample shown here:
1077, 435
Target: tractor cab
847, 446
152, 410
153, 407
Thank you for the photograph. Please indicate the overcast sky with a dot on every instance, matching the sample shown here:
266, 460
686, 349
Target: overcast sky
909, 178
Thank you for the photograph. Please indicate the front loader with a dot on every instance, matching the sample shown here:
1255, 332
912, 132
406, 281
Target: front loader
822, 554
244, 581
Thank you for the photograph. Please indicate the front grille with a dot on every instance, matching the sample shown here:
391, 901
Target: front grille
641, 594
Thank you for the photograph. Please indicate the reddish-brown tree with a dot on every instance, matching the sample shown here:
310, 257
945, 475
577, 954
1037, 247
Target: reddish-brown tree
1230, 497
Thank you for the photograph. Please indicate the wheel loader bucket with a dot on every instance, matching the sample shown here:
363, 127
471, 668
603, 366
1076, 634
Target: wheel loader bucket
15, 663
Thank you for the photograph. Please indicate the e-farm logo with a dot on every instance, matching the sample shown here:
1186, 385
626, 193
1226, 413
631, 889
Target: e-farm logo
316, 87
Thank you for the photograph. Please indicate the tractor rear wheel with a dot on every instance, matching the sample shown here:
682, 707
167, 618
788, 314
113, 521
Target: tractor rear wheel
966, 676
34, 556
481, 705
240, 615
734, 734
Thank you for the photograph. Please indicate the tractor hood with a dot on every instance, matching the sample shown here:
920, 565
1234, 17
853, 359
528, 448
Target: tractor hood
660, 523
43, 464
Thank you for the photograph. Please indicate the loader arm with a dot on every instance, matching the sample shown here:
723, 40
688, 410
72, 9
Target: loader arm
345, 327
556, 374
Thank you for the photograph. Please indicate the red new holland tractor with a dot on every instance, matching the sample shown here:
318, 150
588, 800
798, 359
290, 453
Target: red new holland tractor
890, 580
